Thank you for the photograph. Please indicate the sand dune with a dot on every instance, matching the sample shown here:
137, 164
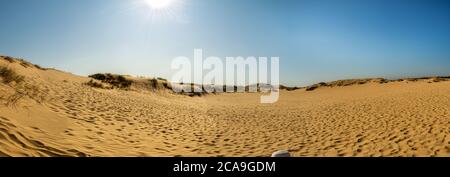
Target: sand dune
404, 118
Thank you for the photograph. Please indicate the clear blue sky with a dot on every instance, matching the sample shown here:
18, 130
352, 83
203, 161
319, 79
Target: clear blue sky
317, 40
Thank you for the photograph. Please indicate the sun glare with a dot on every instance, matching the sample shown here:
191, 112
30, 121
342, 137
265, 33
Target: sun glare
160, 10
158, 4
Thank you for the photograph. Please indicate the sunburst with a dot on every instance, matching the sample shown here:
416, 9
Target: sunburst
159, 4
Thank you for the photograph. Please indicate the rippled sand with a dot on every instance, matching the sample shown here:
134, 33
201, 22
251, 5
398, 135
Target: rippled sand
391, 119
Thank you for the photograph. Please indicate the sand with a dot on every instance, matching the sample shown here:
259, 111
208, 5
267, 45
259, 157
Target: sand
391, 119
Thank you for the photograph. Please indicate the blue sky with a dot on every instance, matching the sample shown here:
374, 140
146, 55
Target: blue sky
316, 40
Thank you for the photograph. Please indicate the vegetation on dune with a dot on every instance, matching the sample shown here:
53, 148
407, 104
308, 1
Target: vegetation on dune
22, 62
155, 84
350, 82
9, 59
117, 81
21, 88
282, 87
8, 75
96, 84
159, 78
111, 81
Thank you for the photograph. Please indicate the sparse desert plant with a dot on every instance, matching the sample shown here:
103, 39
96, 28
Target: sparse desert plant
315, 86
381, 81
96, 84
158, 84
193, 94
115, 80
311, 88
100, 77
162, 79
9, 75
167, 85
25, 90
21, 88
123, 82
39, 67
283, 87
153, 83
412, 79
292, 88
24, 63
438, 79
8, 58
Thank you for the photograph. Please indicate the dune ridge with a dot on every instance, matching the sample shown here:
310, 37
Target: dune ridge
351, 82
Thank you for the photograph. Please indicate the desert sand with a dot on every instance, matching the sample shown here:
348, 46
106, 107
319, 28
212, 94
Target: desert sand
403, 118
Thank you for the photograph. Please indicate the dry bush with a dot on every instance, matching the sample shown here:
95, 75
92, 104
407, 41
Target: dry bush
21, 88
292, 88
439, 79
167, 85
193, 94
153, 83
27, 64
115, 80
412, 79
312, 87
381, 81
25, 91
96, 84
315, 86
162, 79
9, 59
283, 87
8, 75
348, 82
39, 67
22, 62
158, 84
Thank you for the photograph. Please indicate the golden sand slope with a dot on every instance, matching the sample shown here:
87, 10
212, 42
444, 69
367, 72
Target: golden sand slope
392, 119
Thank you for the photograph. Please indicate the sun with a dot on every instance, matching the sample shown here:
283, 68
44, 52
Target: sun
158, 4
160, 10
